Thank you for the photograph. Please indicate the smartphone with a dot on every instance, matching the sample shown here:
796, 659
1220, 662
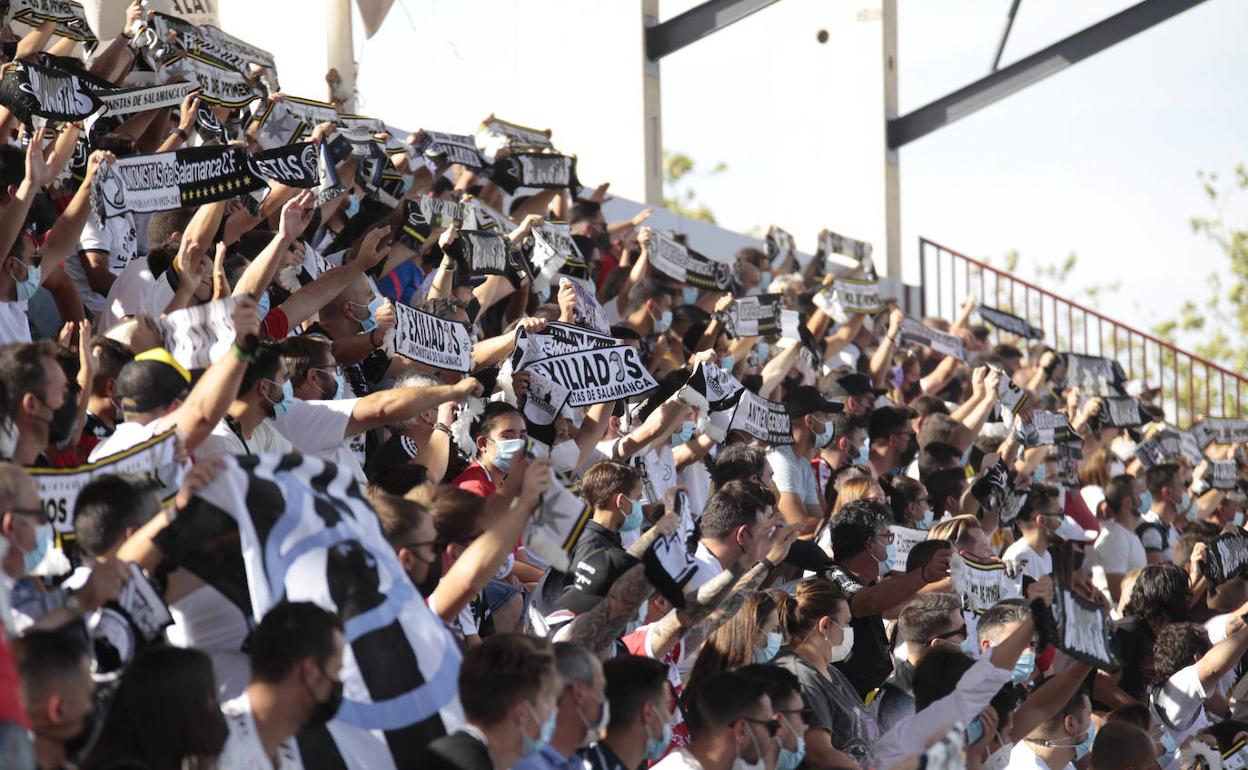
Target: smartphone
974, 731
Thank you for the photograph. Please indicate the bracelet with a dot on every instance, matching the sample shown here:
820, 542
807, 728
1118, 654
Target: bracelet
448, 265
239, 353
442, 427
767, 563
178, 132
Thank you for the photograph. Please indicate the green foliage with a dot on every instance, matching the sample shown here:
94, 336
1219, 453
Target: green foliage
679, 170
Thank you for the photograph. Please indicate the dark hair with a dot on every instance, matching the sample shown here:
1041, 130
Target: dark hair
778, 682
845, 423
926, 405
1071, 706
398, 516
112, 355
935, 456
647, 288
1160, 475
998, 616
927, 616
1005, 352
1120, 745
456, 513
1177, 645
493, 413
443, 307
1224, 732
1133, 714
904, 490
163, 224
603, 480
22, 372
937, 674
886, 421
12, 167
501, 671
302, 353
722, 700
731, 645
738, 462
107, 506
923, 551
43, 657
631, 681
266, 359
814, 598
733, 505
854, 525
288, 633
1160, 594
164, 711
1120, 488
937, 427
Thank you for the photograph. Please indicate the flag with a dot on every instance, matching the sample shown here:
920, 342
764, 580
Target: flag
306, 533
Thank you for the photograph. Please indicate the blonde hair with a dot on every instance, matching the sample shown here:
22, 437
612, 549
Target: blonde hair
954, 530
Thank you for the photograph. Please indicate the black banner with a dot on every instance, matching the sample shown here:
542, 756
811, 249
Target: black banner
422, 214
1224, 474
1084, 630
1226, 558
540, 170
1009, 323
1093, 375
31, 89
706, 273
479, 252
452, 148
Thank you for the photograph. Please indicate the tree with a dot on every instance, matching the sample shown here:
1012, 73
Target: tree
678, 197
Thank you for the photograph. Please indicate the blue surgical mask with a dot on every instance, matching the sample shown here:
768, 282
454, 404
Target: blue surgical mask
890, 554
764, 280
762, 349
1083, 748
353, 206
531, 746
664, 323
43, 541
690, 295
765, 654
370, 323
925, 523
408, 181
26, 288
789, 760
1186, 505
282, 405
1238, 519
727, 362
970, 647
1146, 501
341, 392
656, 746
826, 436
262, 305
506, 451
863, 456
974, 731
966, 457
1038, 474
632, 522
684, 434
1168, 747
1023, 667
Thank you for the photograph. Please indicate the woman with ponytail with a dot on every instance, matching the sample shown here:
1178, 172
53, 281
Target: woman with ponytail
816, 621
751, 636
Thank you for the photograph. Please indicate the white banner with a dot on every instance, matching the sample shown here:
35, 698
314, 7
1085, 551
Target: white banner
764, 420
1220, 430
762, 316
558, 524
131, 100
597, 375
981, 584
587, 311
430, 340
913, 330
556, 340
154, 459
668, 255
904, 539
199, 335
495, 134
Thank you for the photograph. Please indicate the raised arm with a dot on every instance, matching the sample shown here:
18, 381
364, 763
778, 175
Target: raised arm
64, 236
386, 407
896, 590
309, 299
882, 359
295, 217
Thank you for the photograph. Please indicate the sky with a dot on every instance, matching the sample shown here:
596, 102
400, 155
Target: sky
1100, 159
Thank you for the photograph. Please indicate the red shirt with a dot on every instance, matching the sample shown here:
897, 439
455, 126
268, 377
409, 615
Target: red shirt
476, 479
11, 711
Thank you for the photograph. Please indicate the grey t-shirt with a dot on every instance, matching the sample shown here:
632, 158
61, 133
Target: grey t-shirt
792, 474
836, 706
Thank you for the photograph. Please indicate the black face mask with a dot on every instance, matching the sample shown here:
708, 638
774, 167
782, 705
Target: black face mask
76, 746
912, 449
427, 586
61, 426
585, 245
326, 709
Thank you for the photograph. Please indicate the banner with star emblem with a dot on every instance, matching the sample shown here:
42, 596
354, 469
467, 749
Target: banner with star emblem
197, 175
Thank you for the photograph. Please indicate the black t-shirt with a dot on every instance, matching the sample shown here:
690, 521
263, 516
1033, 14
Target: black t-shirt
870, 662
594, 538
1135, 643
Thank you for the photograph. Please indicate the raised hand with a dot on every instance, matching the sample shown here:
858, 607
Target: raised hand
296, 215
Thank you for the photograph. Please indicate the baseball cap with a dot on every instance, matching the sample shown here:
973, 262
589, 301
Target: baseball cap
152, 380
593, 577
854, 385
394, 451
804, 400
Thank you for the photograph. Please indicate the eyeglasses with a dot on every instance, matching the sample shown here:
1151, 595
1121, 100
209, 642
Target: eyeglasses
35, 513
950, 635
805, 714
772, 725
884, 538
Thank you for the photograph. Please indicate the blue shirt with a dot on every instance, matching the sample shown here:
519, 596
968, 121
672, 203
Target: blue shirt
548, 759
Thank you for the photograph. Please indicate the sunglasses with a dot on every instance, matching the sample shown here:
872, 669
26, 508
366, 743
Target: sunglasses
772, 725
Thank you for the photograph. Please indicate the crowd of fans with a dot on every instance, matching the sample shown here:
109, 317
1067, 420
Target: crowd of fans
805, 638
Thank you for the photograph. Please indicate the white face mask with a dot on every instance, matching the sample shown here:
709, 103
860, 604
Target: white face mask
564, 456
740, 764
998, 759
841, 651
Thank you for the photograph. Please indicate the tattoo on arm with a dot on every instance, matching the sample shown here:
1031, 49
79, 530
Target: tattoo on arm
599, 627
744, 587
673, 627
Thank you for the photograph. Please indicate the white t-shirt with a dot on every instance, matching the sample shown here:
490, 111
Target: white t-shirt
1149, 538
159, 297
708, 568
133, 286
679, 759
697, 479
224, 441
118, 237
243, 750
126, 435
791, 474
14, 323
1035, 566
319, 428
1179, 704
1022, 757
1116, 551
207, 621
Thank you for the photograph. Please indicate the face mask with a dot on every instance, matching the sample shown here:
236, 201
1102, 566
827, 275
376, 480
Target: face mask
1185, 504
789, 760
505, 451
262, 305
27, 288
533, 745
564, 456
727, 362
890, 555
765, 654
432, 578
76, 746
370, 323
1238, 519
504, 569
632, 521
656, 746
925, 523
324, 710
863, 456
912, 449
841, 651
762, 349
1023, 667
341, 391
764, 280
63, 421
966, 457
353, 206
1168, 749
1038, 474
689, 295
282, 405
970, 647
43, 541
684, 434
1000, 758
638, 621
740, 764
664, 323
1146, 501
1083, 748
598, 729
825, 436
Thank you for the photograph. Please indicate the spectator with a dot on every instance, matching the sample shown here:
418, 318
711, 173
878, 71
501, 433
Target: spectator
732, 716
